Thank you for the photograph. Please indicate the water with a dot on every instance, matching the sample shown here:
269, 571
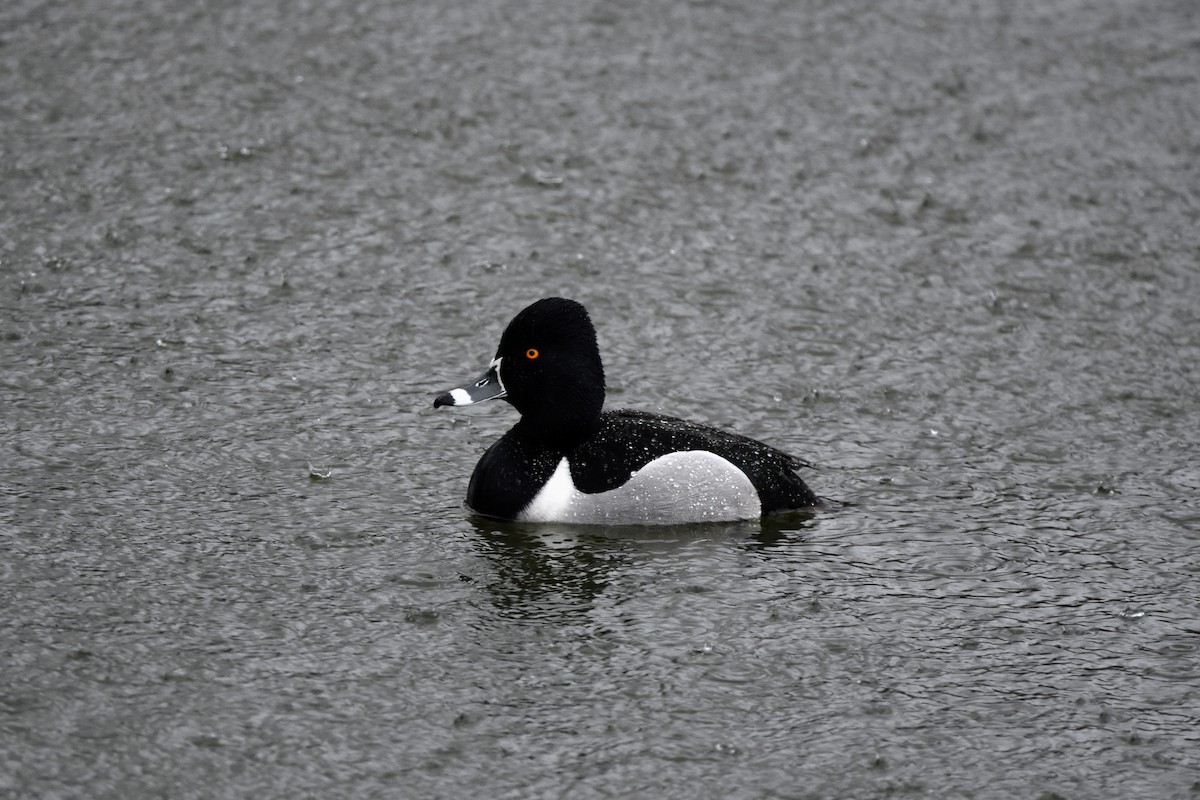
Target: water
947, 252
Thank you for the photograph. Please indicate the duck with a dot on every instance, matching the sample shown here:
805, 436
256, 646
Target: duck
569, 460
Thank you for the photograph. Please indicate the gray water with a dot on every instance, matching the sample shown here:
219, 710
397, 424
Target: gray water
949, 252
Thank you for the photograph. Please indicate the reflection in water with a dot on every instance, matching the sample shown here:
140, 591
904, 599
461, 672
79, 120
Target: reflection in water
542, 569
782, 530
555, 568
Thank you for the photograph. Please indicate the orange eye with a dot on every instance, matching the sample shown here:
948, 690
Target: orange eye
532, 353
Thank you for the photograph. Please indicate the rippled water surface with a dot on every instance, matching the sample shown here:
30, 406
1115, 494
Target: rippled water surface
949, 252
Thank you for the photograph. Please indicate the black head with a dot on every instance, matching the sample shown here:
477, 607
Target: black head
550, 367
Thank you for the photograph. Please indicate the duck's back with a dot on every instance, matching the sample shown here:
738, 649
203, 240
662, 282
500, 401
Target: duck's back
626, 441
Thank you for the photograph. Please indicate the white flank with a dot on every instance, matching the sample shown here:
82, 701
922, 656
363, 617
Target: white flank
688, 486
553, 502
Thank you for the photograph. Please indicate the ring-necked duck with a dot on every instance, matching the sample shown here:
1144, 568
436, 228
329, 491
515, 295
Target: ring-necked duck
567, 461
